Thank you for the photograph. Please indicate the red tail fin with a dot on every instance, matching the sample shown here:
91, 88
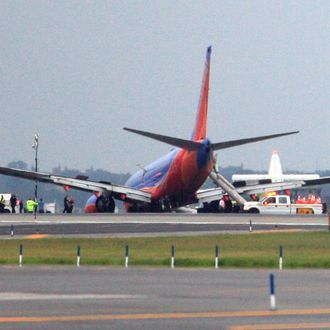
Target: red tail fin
201, 120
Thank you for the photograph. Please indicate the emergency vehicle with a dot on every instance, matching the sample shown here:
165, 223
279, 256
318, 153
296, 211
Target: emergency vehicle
281, 204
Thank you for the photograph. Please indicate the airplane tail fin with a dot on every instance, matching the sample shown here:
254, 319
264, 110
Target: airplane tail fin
275, 166
199, 132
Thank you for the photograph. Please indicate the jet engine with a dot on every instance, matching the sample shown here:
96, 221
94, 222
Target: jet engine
100, 204
105, 204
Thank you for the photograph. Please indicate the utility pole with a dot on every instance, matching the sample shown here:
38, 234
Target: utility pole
35, 147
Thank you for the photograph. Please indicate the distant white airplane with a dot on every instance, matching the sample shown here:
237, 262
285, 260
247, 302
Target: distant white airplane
275, 174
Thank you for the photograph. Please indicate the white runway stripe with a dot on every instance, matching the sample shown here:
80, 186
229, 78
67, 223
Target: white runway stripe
23, 296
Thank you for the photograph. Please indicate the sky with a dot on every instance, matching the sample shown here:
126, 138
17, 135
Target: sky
77, 72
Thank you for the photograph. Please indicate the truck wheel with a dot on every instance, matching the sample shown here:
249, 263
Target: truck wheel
254, 210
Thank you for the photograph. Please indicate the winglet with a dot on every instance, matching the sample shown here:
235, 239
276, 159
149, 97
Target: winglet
201, 119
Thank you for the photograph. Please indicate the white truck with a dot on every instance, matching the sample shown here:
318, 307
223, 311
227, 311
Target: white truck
281, 204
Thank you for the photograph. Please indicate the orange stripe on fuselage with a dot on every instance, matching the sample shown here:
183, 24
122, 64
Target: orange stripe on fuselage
184, 176
90, 208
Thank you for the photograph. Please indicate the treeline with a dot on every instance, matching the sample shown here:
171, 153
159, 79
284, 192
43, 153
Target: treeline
24, 189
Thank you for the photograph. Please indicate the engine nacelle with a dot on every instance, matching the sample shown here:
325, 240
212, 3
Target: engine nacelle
100, 204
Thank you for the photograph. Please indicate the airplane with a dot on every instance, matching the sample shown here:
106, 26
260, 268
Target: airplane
275, 174
170, 182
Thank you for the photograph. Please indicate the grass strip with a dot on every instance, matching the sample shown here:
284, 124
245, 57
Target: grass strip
253, 250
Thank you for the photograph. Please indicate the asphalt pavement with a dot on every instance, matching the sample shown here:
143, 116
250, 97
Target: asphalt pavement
152, 224
162, 298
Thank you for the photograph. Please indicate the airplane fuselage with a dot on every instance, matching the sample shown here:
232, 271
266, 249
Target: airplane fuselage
175, 178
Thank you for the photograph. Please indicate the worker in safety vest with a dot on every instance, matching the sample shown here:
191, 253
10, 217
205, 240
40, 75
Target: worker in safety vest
2, 204
31, 205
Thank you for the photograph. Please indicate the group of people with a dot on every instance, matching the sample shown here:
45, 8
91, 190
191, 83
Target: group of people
310, 199
226, 205
14, 204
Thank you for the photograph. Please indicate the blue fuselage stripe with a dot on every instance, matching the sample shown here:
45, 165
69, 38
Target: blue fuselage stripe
154, 173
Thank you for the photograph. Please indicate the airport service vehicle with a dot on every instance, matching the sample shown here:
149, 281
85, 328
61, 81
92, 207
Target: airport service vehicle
171, 181
281, 204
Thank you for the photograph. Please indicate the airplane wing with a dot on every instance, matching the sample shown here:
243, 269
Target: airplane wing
266, 187
316, 182
236, 192
117, 191
275, 186
209, 195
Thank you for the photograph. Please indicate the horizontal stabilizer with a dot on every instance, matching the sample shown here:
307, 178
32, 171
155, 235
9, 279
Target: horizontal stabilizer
235, 143
192, 145
181, 143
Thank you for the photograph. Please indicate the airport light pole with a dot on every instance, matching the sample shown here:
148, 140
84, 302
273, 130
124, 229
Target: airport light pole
35, 147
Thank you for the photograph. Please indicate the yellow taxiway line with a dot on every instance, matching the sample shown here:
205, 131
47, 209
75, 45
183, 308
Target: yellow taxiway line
36, 236
280, 326
187, 315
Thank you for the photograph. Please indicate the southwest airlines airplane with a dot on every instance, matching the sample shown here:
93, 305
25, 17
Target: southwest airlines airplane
170, 182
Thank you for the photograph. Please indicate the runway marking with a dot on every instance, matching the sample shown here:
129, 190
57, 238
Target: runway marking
281, 326
36, 236
187, 315
197, 222
23, 296
277, 230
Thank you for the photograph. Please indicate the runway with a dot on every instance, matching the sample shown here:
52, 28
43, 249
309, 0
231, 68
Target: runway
153, 224
57, 297
148, 298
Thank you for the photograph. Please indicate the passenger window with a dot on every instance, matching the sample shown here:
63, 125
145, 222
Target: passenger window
270, 200
282, 200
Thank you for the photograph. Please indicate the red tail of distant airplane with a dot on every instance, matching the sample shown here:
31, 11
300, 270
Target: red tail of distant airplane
169, 182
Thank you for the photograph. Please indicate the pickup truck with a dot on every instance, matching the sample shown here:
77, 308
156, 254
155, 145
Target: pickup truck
281, 204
